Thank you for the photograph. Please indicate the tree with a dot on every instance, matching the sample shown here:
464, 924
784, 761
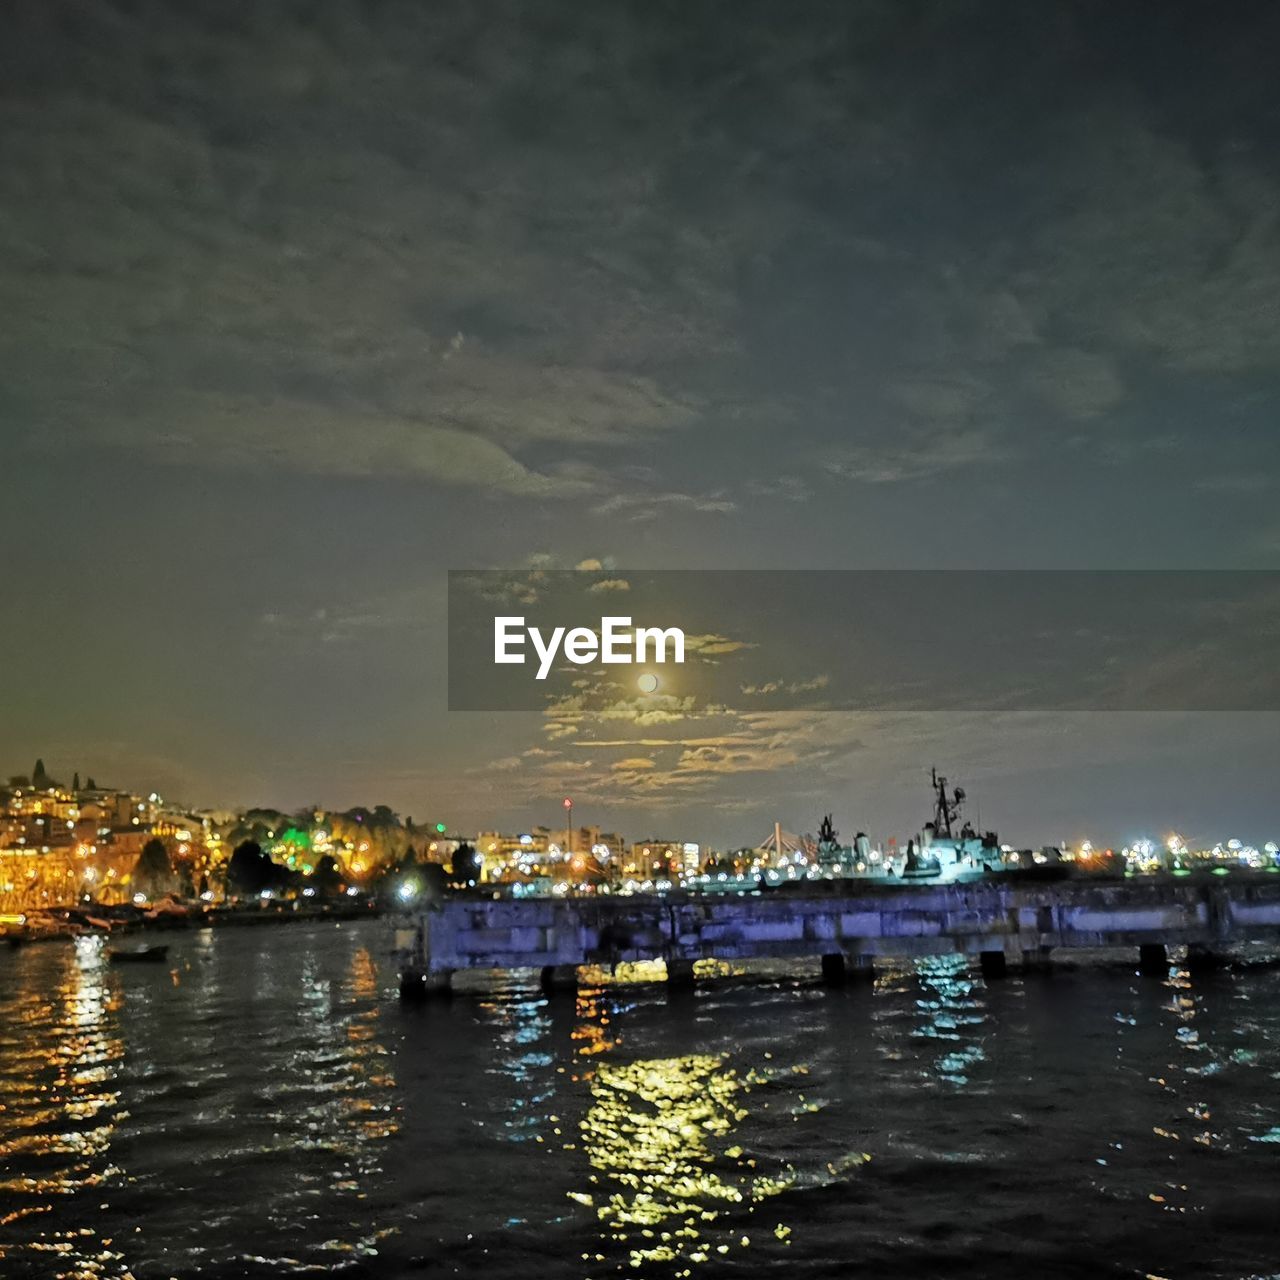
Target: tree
93, 786
38, 776
327, 877
250, 871
75, 781
153, 872
409, 883
464, 870
434, 880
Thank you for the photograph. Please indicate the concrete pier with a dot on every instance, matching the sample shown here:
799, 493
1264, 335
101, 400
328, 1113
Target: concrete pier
846, 928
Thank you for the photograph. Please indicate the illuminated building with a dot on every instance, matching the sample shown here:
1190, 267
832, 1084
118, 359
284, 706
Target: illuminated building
666, 858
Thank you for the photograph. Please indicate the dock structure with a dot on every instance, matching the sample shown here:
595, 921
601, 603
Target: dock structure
847, 927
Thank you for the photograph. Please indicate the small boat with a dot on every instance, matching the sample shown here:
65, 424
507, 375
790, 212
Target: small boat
141, 955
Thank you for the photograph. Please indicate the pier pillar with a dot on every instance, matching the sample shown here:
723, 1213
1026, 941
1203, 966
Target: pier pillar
418, 984
559, 979
1153, 959
679, 975
1202, 959
833, 968
993, 964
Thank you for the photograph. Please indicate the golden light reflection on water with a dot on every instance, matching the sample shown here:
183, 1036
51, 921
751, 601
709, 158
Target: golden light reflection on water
659, 1139
370, 1064
59, 1058
1181, 1080
593, 1030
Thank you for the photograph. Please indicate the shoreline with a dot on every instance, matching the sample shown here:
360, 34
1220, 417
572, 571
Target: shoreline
217, 918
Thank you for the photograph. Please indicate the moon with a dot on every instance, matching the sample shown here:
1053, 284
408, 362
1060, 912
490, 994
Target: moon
647, 683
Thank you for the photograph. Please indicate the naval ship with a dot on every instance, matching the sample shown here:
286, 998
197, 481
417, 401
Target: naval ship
948, 848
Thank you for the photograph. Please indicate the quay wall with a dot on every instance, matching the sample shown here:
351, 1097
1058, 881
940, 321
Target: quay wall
856, 924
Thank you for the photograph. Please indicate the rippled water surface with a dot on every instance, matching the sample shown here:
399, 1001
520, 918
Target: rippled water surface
261, 1105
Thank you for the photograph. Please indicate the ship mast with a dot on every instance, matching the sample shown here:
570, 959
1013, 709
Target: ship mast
945, 809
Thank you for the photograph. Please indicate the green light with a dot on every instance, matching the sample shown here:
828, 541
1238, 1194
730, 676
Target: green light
1180, 871
440, 828
1222, 871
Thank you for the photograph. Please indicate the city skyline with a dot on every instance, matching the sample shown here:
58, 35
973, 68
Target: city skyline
547, 815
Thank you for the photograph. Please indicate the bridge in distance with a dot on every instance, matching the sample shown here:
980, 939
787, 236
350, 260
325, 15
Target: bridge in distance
849, 926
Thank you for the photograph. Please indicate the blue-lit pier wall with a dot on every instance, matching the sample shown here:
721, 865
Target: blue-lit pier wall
993, 919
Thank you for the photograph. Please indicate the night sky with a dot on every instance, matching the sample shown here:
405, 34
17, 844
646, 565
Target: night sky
302, 305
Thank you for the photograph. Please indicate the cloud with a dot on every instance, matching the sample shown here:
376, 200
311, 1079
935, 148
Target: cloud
561, 728
248, 281
505, 764
787, 686
649, 506
787, 488
565, 766
1158, 249
920, 458
610, 584
712, 645
1240, 485
311, 439
940, 396
523, 260
1079, 384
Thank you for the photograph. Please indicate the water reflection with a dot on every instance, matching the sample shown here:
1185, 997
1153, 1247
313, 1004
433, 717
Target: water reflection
932, 1013
519, 1022
668, 1182
594, 1031
332, 1105
950, 1003
278, 1113
370, 1081
59, 1060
